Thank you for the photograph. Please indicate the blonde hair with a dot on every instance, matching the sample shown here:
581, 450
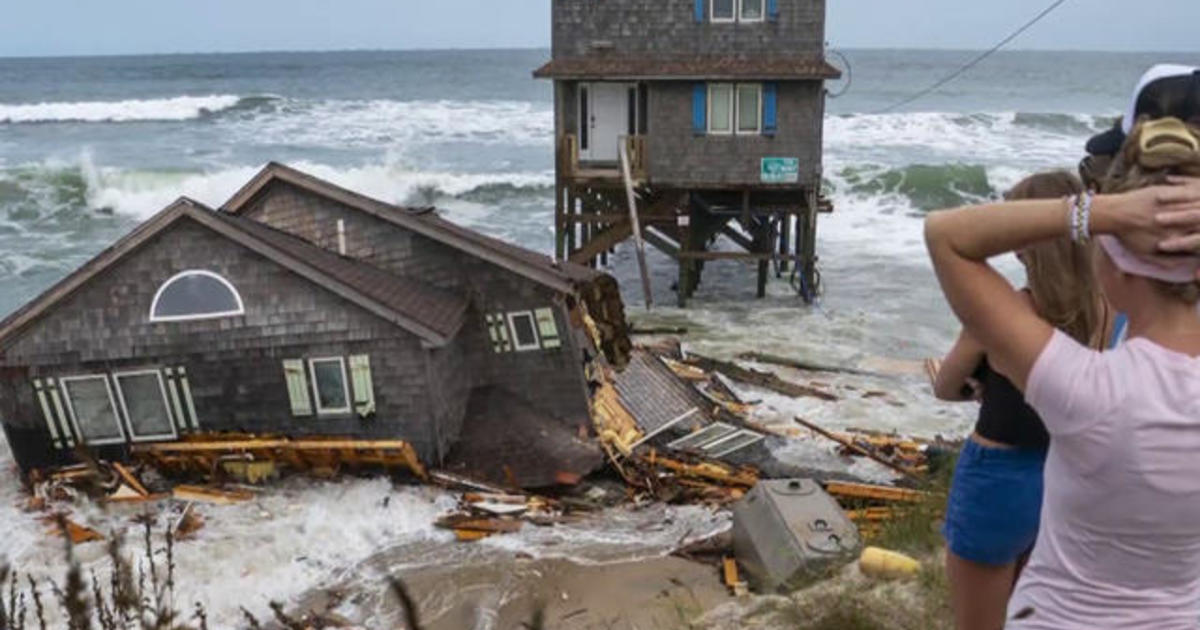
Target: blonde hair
1060, 271
1154, 150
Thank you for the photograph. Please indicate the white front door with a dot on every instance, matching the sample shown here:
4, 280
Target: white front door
604, 119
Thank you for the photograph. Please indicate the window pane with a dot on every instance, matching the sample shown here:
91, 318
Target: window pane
522, 324
752, 9
748, 108
722, 9
93, 409
721, 104
195, 295
331, 385
145, 405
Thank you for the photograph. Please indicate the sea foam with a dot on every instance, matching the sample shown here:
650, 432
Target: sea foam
153, 109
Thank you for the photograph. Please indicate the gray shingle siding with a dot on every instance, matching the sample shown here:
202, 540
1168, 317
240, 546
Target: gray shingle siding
670, 27
548, 379
677, 156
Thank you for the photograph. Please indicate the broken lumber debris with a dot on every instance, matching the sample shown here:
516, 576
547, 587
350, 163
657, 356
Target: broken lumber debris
207, 452
215, 496
860, 450
787, 531
772, 359
189, 522
880, 493
78, 534
766, 380
729, 569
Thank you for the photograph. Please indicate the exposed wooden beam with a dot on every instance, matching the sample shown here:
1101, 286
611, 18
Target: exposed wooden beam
737, 256
602, 242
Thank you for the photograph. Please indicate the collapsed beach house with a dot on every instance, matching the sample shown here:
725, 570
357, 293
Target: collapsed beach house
305, 323
300, 308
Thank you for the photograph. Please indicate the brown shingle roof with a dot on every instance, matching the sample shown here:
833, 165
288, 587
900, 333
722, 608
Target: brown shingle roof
433, 308
561, 276
429, 313
708, 67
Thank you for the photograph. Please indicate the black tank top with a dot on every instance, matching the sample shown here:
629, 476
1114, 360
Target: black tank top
1004, 416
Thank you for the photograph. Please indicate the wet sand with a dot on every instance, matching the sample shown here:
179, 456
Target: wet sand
666, 592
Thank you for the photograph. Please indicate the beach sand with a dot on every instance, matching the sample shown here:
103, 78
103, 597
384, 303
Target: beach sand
664, 592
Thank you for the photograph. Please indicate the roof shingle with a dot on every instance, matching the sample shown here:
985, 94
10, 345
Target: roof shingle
711, 67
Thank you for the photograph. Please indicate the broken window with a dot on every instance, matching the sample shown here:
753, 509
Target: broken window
524, 333
195, 294
329, 385
144, 402
93, 411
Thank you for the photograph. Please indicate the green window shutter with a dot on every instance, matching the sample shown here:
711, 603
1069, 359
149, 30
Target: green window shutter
547, 328
498, 329
187, 399
51, 420
60, 413
364, 391
297, 384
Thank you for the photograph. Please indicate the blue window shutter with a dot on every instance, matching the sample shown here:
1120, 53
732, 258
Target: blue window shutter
773, 10
700, 108
770, 108
700, 11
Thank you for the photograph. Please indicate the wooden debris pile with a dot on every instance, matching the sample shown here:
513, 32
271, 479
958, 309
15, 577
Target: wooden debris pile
870, 507
254, 458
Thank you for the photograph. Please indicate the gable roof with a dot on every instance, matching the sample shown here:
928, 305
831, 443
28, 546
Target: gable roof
707, 67
564, 277
430, 313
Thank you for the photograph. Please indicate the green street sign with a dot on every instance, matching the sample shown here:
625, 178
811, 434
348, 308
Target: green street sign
777, 170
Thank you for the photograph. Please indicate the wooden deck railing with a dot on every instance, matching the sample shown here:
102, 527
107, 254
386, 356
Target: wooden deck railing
569, 166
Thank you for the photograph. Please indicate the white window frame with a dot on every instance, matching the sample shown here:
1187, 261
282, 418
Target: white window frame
312, 376
762, 15
732, 109
712, 12
737, 109
241, 307
162, 389
64, 384
533, 325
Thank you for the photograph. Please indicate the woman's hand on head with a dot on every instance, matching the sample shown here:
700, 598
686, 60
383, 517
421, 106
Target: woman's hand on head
1160, 219
1185, 222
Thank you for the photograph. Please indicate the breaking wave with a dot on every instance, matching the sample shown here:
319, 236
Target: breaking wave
154, 109
925, 186
33, 193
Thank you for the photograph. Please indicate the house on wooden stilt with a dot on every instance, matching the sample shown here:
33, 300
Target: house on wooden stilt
718, 107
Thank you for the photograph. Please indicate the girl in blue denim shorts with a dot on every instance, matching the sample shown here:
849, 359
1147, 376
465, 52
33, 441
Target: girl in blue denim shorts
996, 495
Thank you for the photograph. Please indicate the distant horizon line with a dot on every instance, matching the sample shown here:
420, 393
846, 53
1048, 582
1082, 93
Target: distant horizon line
546, 48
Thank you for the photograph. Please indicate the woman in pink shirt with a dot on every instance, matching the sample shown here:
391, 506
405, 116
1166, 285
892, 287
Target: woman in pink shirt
1119, 540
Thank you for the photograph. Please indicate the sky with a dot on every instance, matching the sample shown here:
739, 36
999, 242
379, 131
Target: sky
105, 27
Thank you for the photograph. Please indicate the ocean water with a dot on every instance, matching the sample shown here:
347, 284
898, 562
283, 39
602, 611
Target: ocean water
91, 146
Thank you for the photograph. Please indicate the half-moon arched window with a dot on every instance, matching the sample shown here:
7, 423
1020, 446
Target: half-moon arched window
195, 294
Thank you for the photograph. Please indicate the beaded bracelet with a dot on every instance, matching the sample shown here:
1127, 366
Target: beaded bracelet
1085, 219
1072, 216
